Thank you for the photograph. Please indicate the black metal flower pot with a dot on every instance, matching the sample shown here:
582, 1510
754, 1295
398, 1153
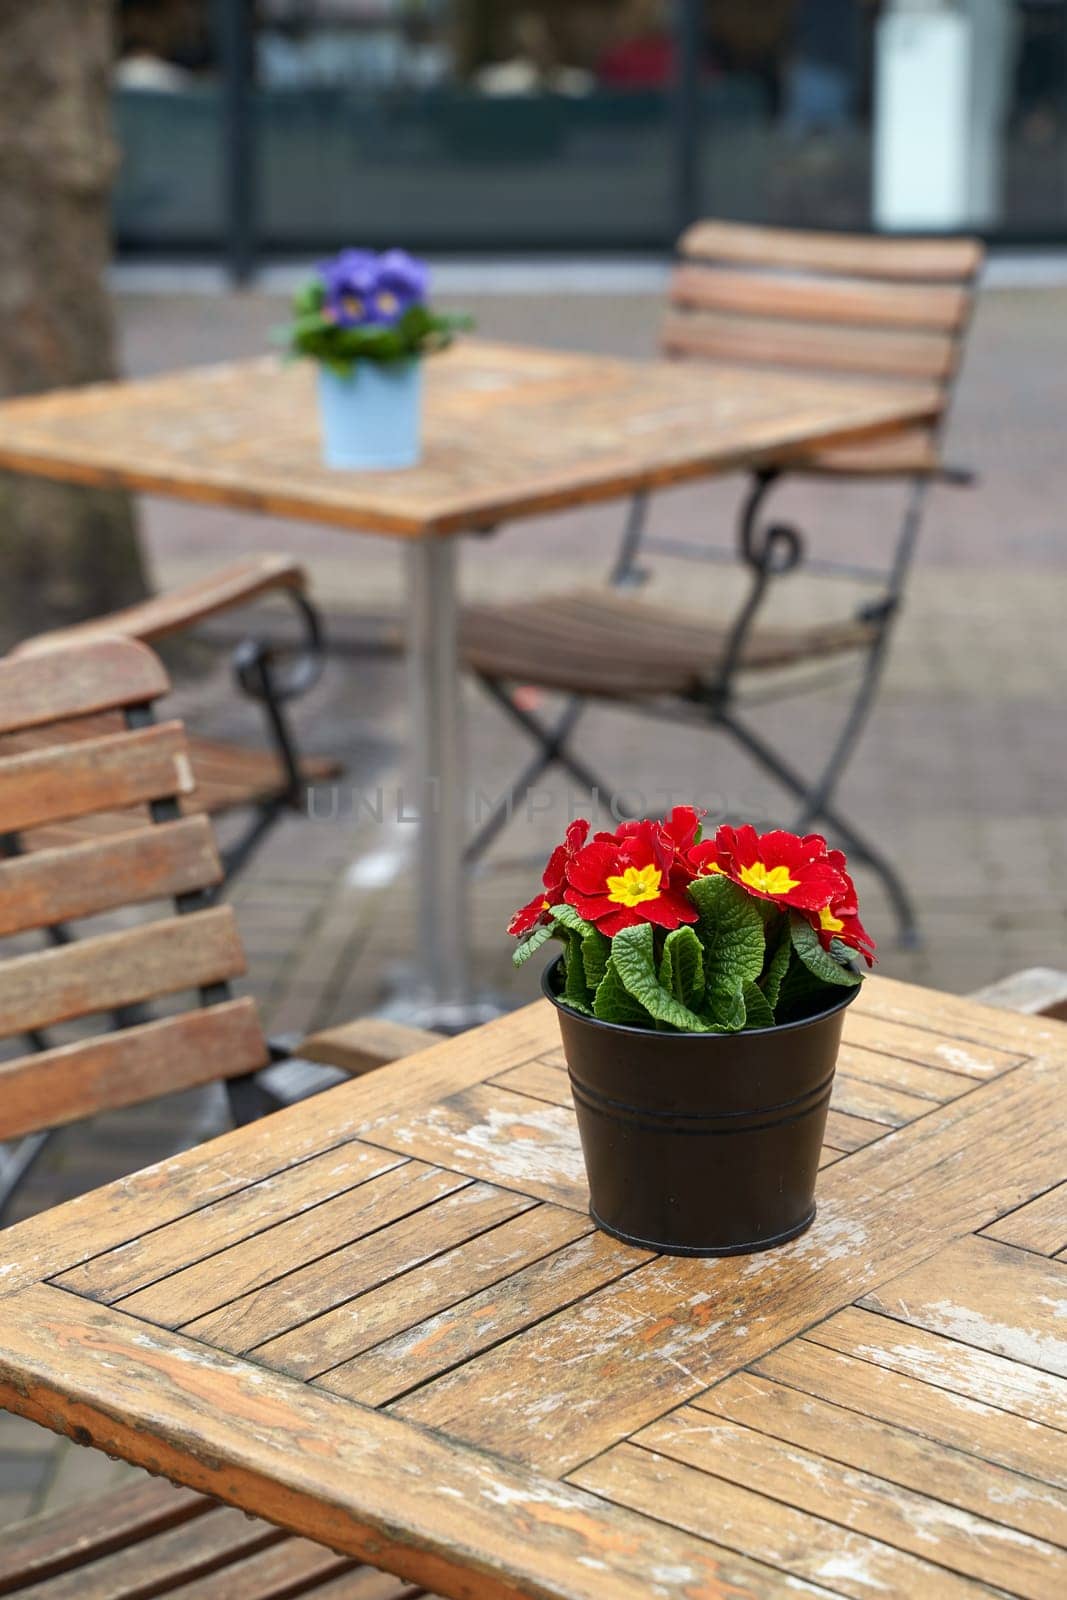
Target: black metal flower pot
701, 1144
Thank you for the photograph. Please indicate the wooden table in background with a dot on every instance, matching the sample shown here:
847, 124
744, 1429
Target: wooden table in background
510, 432
382, 1319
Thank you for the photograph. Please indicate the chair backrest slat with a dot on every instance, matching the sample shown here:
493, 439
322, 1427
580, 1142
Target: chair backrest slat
83, 880
846, 254
58, 783
855, 302
122, 1069
822, 303
924, 357
120, 969
110, 673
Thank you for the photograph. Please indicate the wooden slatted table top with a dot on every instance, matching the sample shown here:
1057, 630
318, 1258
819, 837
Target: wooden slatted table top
510, 431
382, 1319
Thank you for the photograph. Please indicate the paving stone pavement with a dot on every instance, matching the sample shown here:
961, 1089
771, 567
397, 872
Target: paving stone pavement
961, 773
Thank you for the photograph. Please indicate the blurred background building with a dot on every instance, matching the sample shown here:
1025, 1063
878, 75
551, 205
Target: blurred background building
253, 128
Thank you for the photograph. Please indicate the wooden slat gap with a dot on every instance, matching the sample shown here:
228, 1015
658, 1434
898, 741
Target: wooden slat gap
809, 1335
1013, 1064
850, 1466
484, 1350
720, 1539
984, 1042
257, 1233
890, 1055
457, 1172
308, 1261
931, 1556
901, 1427
394, 1277
531, 1094
55, 1279
1024, 1205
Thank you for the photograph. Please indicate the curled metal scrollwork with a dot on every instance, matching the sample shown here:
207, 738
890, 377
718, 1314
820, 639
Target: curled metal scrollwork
769, 550
772, 548
267, 672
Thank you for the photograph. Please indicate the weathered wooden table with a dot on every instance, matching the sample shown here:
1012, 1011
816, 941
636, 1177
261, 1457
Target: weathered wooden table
382, 1319
510, 432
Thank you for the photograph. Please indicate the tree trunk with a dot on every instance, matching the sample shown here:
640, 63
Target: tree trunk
65, 553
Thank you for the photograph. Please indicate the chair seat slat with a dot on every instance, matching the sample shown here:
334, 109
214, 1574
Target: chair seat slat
49, 886
80, 1534
120, 969
571, 642
123, 1069
122, 769
158, 1564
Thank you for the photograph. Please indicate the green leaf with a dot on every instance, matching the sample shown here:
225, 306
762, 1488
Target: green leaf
731, 931
532, 943
419, 331
613, 1002
758, 1012
567, 917
818, 961
632, 955
596, 952
780, 948
681, 968
799, 988
575, 989
309, 297
724, 1008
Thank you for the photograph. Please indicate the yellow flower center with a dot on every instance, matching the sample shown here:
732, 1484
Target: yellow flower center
634, 886
768, 880
709, 868
354, 307
388, 302
828, 922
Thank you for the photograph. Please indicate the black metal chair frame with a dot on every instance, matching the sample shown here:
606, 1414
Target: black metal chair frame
769, 550
272, 676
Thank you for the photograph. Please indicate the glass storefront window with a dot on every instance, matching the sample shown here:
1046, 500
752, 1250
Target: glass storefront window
465, 122
169, 126
524, 124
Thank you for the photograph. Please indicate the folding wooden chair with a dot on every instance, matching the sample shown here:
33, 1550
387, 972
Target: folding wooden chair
97, 750
148, 1538
894, 310
262, 784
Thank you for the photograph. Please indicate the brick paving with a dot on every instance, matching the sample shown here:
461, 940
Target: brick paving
961, 773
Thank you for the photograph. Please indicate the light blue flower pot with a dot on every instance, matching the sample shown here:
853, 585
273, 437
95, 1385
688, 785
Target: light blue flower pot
372, 417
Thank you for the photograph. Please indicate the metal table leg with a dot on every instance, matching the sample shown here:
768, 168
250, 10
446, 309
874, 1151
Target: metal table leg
442, 995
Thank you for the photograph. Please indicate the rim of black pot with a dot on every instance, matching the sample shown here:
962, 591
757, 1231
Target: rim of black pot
644, 1033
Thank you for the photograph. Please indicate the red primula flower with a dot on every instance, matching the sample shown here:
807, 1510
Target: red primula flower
839, 919
677, 833
617, 881
554, 879
776, 866
836, 923
681, 829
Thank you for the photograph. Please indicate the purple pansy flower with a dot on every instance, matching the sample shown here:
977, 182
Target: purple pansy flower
365, 289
